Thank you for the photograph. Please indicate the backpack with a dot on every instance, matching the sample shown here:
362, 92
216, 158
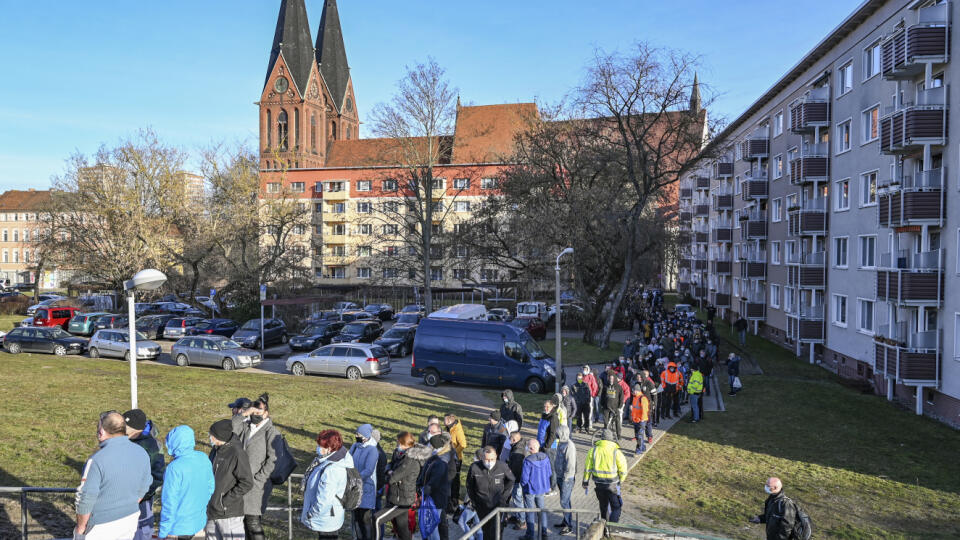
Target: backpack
802, 526
285, 464
353, 491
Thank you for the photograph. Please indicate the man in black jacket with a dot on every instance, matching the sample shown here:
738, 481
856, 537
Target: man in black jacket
779, 512
511, 410
437, 474
518, 452
232, 480
489, 485
611, 399
141, 432
581, 394
495, 433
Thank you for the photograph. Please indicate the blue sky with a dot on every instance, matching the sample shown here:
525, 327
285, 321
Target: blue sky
80, 74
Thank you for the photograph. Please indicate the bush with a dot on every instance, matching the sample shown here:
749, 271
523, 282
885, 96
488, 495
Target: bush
15, 305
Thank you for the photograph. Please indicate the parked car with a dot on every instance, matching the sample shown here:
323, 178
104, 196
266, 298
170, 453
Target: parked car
351, 360
532, 309
26, 322
355, 315
359, 332
153, 325
213, 327
685, 310
384, 312
54, 316
480, 352
463, 312
414, 308
176, 327
115, 343
408, 319
12, 294
503, 314
315, 335
110, 320
532, 325
31, 310
83, 323
274, 331
54, 340
566, 312
213, 351
327, 315
345, 306
398, 341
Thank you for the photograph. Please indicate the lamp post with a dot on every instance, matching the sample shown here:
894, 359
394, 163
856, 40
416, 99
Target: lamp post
145, 280
556, 320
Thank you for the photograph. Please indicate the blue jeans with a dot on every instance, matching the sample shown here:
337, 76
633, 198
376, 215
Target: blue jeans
534, 501
638, 429
516, 500
145, 523
695, 406
597, 412
743, 338
566, 490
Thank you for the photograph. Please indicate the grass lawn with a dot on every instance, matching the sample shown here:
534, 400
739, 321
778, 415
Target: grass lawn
8, 322
861, 467
577, 353
48, 423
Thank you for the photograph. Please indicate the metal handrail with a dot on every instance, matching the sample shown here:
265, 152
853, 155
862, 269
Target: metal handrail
497, 511
23, 490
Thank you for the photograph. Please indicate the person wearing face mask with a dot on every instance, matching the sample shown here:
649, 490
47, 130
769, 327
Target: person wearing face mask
671, 381
232, 480
402, 485
511, 410
779, 512
188, 484
113, 481
365, 455
495, 433
240, 420
142, 432
489, 485
261, 441
594, 386
323, 486
583, 403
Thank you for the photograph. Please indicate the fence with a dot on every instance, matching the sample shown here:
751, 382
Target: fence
496, 515
23, 491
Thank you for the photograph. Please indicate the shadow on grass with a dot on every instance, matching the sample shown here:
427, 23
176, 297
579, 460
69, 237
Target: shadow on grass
47, 517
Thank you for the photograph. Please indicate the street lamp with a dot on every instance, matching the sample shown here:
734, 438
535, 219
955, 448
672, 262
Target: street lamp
556, 319
144, 280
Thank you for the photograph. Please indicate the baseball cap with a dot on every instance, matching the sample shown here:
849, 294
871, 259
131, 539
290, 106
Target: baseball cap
240, 403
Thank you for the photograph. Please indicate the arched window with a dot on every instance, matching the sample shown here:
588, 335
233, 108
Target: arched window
282, 132
269, 129
333, 131
349, 132
296, 128
313, 132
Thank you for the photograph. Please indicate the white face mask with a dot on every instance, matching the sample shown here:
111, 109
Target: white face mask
767, 489
489, 464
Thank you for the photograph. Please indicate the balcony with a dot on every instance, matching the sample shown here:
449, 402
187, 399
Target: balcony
905, 53
684, 263
723, 169
332, 193
809, 219
907, 127
701, 210
912, 200
721, 296
699, 263
753, 225
755, 146
699, 292
683, 287
913, 279
812, 111
811, 273
722, 230
811, 165
686, 215
722, 266
908, 357
754, 306
686, 193
723, 200
754, 186
810, 323
701, 183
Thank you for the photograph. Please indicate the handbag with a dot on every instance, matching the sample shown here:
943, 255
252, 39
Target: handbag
736, 383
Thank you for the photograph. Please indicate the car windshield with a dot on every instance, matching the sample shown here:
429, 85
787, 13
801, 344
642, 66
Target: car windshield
314, 330
527, 308
140, 337
534, 350
520, 323
353, 329
409, 309
396, 333
56, 333
253, 324
229, 344
371, 308
407, 319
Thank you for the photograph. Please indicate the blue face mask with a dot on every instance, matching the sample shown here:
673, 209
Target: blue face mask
320, 451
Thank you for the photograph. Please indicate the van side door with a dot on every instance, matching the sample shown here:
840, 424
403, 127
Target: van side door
515, 370
484, 363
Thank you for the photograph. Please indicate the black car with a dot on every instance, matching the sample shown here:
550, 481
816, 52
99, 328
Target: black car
355, 315
409, 319
359, 332
384, 312
414, 308
248, 335
109, 321
315, 335
54, 340
213, 327
398, 341
323, 316
152, 325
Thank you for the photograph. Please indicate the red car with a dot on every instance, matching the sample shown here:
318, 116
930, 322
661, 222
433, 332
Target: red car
54, 316
533, 325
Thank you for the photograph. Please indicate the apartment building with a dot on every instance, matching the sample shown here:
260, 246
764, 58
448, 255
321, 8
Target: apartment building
18, 230
828, 216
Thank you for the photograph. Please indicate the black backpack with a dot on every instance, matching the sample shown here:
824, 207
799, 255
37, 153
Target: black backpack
802, 526
285, 464
353, 491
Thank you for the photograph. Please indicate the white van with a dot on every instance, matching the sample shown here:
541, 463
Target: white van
462, 312
532, 309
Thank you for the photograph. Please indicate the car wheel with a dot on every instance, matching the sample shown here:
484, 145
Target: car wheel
227, 364
431, 378
534, 385
256, 344
353, 373
60, 350
94, 353
298, 369
182, 360
126, 356
284, 339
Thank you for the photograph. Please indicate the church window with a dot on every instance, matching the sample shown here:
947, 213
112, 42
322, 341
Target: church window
333, 131
282, 128
269, 130
313, 132
296, 128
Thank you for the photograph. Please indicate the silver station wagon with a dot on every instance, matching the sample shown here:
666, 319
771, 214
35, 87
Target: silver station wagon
351, 360
213, 351
115, 343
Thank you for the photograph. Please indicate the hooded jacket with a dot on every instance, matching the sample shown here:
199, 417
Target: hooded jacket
365, 457
592, 384
324, 487
511, 410
187, 486
495, 435
566, 464
612, 397
489, 488
438, 472
147, 440
536, 473
547, 429
582, 393
232, 480
404, 472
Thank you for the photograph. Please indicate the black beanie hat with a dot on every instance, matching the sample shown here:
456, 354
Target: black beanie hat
222, 430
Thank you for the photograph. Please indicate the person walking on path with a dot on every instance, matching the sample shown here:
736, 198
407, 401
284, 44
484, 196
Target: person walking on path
583, 399
324, 483
510, 410
779, 512
232, 480
260, 441
695, 390
594, 386
640, 415
141, 432
536, 479
741, 327
188, 485
402, 485
607, 466
490, 484
612, 403
114, 481
565, 471
365, 457
733, 372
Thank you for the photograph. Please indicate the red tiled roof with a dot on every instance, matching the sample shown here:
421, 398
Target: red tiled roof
485, 134
31, 200
381, 152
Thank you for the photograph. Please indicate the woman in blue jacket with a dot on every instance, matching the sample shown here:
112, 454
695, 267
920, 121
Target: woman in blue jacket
365, 457
323, 485
187, 486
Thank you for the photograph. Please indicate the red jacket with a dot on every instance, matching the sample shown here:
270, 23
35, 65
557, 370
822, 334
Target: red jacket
592, 384
626, 390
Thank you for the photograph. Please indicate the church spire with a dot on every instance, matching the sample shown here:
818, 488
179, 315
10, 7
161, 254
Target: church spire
695, 102
292, 38
331, 54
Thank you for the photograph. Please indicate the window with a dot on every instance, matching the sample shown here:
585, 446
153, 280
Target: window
16, 255
272, 187
865, 315
436, 273
392, 207
839, 310
488, 183
390, 272
363, 185
871, 61
339, 229
282, 129
792, 201
845, 78
363, 272
461, 183
460, 274
366, 228
868, 189
318, 207
736, 219
776, 210
363, 207
297, 187
390, 229
333, 187
26, 255
338, 251
26, 235
791, 246
461, 206
364, 251
840, 252
775, 252
339, 208
460, 228
868, 251
461, 252
16, 235
488, 274
778, 123
870, 125
392, 251
774, 296
789, 299
736, 286
843, 195
389, 185
299, 229
437, 183
736, 184
777, 166
843, 136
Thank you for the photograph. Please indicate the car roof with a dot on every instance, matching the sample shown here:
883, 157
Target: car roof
364, 321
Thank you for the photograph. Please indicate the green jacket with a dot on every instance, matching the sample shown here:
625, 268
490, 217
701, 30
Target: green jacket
695, 386
605, 463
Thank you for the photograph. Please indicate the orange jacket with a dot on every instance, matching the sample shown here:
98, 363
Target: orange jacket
640, 409
673, 379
